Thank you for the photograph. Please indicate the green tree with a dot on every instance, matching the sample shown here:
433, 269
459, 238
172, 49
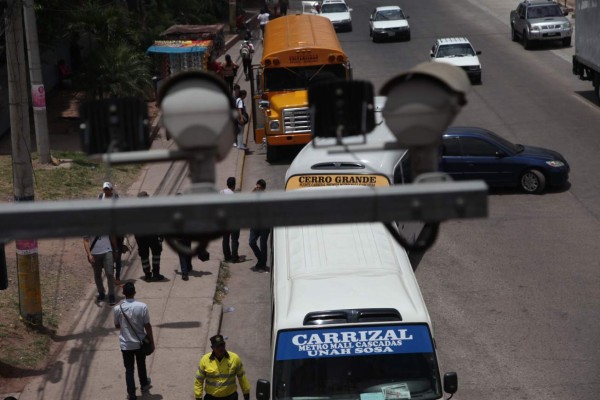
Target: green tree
117, 71
104, 24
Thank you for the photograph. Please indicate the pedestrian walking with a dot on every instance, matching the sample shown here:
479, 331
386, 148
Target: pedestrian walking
145, 244
229, 70
283, 6
100, 251
236, 92
242, 119
185, 259
217, 372
133, 320
246, 53
231, 239
263, 20
108, 192
260, 235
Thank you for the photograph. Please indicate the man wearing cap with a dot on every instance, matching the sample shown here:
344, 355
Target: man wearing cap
109, 193
133, 319
217, 372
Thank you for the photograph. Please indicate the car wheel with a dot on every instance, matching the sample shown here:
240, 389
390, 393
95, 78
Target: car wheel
566, 42
272, 153
513, 34
532, 181
526, 41
370, 32
408, 36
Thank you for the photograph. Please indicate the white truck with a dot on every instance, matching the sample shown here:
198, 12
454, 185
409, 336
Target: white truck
586, 60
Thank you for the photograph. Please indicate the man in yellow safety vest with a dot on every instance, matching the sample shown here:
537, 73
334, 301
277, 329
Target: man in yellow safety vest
217, 372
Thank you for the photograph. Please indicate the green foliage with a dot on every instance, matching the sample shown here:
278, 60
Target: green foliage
118, 33
117, 71
104, 24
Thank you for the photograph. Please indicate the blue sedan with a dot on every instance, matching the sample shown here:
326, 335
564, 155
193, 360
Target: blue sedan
476, 153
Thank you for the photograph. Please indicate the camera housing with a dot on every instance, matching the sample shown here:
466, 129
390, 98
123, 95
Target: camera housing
198, 112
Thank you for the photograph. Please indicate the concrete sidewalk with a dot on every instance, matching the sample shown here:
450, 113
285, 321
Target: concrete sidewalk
89, 364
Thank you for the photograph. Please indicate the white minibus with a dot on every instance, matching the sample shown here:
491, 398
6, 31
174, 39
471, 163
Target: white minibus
357, 163
320, 163
348, 319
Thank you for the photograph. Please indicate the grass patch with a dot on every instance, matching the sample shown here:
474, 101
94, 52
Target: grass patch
63, 268
222, 290
78, 177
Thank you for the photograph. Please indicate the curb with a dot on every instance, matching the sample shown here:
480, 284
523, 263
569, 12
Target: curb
214, 326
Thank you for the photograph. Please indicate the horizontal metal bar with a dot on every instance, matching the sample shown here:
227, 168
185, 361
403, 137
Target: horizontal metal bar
206, 213
143, 156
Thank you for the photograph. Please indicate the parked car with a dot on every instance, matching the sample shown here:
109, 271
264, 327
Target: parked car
388, 22
477, 153
338, 13
458, 51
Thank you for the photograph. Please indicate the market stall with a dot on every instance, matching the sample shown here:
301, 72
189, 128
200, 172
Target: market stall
175, 56
199, 32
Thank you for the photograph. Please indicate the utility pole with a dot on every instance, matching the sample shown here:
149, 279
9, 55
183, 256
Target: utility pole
38, 93
232, 15
30, 301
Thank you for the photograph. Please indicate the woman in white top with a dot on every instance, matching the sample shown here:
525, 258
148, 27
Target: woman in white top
263, 19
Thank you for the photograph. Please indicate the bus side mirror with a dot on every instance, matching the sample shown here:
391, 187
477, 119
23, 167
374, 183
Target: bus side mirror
264, 104
263, 389
450, 382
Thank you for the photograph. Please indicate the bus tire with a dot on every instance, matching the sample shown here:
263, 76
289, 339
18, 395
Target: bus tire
272, 153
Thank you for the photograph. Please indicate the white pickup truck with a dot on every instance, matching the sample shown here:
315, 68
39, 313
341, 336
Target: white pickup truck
540, 20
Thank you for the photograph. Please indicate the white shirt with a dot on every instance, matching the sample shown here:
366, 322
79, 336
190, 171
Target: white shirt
239, 103
138, 315
102, 245
263, 18
226, 191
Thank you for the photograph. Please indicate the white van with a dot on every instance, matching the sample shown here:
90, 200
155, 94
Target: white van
320, 163
348, 319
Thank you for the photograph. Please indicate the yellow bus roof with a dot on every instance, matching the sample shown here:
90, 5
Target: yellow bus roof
300, 31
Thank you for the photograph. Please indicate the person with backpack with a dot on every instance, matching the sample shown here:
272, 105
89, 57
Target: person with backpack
108, 193
242, 119
246, 52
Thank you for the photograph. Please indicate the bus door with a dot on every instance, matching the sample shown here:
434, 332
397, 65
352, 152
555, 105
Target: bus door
258, 116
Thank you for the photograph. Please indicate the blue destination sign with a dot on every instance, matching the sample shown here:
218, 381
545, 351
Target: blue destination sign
353, 341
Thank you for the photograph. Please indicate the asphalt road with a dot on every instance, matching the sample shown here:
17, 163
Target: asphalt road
514, 298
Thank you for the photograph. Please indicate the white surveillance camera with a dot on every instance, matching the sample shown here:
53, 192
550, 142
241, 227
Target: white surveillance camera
421, 103
198, 112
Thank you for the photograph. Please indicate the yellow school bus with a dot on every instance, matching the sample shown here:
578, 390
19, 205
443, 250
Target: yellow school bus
297, 50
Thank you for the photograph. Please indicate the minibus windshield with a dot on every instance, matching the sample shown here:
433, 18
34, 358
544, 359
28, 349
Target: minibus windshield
366, 363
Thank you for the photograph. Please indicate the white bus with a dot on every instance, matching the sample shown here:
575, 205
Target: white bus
348, 319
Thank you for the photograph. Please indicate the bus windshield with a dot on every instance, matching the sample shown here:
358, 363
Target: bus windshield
365, 363
282, 79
